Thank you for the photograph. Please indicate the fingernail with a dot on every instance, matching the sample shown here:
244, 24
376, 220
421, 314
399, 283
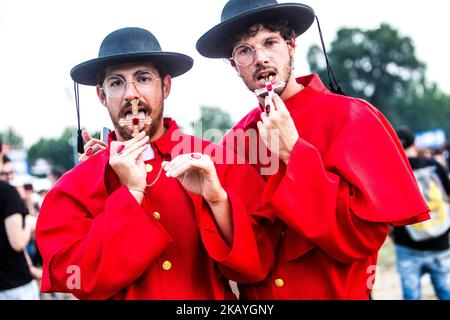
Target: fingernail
89, 152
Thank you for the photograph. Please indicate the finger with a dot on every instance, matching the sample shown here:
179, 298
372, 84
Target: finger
176, 162
93, 142
264, 117
279, 104
181, 170
96, 148
139, 137
136, 153
82, 158
266, 120
138, 144
86, 136
189, 166
270, 106
262, 132
116, 144
260, 126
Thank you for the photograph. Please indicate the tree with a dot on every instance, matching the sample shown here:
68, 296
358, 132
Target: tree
12, 138
426, 107
58, 152
213, 123
381, 67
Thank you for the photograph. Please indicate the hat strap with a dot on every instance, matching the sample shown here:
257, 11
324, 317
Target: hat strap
77, 104
335, 88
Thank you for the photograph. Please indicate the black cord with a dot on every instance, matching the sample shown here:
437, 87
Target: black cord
80, 142
334, 87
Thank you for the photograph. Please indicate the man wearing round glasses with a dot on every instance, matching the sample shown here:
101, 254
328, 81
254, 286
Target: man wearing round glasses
341, 164
143, 219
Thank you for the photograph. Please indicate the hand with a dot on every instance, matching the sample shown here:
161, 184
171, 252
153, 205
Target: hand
129, 165
277, 129
95, 144
35, 272
30, 222
198, 176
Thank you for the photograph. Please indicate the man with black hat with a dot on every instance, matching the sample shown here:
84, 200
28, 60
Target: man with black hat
116, 226
341, 165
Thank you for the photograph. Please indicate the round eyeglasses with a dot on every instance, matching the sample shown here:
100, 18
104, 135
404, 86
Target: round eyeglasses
244, 54
115, 85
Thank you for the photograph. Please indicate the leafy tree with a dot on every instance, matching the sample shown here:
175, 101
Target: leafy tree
12, 138
213, 123
58, 151
381, 67
426, 107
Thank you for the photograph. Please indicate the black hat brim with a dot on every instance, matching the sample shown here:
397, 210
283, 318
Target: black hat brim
214, 43
176, 64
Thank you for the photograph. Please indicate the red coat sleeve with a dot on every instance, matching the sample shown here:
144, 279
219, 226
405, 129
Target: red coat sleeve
343, 200
110, 250
251, 256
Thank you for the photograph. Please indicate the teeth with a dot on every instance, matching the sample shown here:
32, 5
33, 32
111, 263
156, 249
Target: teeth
142, 114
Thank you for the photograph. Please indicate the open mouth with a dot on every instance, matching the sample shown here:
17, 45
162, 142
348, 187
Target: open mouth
266, 76
143, 112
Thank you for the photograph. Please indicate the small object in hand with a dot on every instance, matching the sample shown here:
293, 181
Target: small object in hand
195, 156
120, 149
89, 151
135, 121
269, 88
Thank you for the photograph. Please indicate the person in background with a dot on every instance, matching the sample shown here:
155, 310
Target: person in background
418, 256
16, 228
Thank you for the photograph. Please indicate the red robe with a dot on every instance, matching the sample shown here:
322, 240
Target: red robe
347, 179
91, 226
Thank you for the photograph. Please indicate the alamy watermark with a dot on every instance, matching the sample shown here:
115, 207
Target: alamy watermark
238, 146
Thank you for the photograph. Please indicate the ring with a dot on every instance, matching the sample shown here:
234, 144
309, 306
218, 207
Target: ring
195, 156
89, 151
120, 149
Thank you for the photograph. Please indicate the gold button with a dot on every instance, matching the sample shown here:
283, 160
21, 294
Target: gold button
156, 215
148, 167
279, 283
167, 265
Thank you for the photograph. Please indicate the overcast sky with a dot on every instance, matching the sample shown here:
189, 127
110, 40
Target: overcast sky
42, 40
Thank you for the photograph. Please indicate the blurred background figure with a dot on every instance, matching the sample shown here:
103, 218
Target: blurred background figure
55, 173
16, 228
424, 248
7, 170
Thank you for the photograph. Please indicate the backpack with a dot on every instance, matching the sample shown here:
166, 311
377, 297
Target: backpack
436, 198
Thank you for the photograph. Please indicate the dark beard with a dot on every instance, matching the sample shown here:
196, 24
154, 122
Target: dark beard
279, 91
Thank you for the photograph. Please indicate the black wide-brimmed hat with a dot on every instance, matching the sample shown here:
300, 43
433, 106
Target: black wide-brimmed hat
238, 14
130, 45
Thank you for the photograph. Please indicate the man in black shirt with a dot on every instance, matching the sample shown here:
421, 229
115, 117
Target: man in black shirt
416, 254
16, 282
